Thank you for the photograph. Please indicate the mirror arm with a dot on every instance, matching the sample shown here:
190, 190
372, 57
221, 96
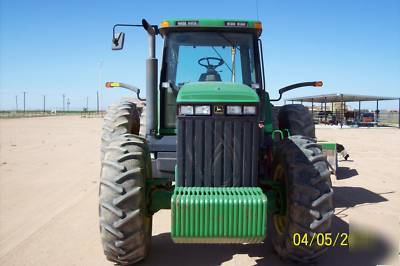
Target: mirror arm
115, 41
277, 99
155, 27
151, 29
297, 85
131, 88
134, 89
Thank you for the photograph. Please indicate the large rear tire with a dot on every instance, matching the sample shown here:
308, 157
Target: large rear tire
125, 227
297, 119
301, 168
274, 115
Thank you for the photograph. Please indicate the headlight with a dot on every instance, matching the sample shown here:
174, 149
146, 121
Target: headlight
202, 110
249, 110
234, 110
186, 110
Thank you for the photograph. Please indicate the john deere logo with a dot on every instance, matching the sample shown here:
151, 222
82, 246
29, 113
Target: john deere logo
219, 109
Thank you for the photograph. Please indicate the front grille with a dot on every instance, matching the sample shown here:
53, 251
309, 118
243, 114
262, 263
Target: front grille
217, 151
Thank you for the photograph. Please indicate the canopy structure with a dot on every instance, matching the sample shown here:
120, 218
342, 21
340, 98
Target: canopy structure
337, 97
342, 98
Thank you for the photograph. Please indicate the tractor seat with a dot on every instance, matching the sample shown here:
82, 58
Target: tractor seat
210, 75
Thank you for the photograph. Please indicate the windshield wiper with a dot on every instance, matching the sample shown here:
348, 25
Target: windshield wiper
215, 50
228, 40
233, 53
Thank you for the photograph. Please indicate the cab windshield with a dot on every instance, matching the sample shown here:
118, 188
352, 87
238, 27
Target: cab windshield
204, 57
210, 56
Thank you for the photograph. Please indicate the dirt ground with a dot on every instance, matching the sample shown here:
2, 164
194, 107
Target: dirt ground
49, 170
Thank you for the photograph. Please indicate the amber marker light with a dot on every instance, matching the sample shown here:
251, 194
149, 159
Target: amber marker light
112, 84
318, 84
258, 25
164, 24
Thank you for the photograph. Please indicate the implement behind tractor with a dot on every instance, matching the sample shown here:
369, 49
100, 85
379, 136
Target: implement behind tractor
215, 150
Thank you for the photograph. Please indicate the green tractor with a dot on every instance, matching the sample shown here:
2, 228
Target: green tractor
215, 150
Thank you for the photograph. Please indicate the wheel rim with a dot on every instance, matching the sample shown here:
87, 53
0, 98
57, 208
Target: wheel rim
280, 220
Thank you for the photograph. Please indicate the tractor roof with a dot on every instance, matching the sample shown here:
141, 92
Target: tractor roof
213, 24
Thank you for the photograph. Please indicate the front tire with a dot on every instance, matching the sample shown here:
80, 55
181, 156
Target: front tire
125, 227
301, 168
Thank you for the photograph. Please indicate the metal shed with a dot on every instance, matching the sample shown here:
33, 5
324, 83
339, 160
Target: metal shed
342, 99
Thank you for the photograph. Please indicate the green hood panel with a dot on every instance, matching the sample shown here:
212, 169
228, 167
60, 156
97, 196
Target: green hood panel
216, 92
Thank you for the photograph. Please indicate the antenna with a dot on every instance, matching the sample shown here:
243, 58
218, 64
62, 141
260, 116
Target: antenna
257, 8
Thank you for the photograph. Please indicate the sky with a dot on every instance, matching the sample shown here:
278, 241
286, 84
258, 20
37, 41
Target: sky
63, 47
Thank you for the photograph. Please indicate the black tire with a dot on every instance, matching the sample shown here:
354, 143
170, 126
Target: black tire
301, 167
125, 227
297, 119
275, 120
121, 118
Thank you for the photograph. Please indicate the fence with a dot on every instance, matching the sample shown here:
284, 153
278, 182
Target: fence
26, 114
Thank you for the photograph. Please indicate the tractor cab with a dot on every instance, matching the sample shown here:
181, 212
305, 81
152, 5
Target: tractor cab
220, 53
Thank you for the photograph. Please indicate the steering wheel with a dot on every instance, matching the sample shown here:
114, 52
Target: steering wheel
209, 64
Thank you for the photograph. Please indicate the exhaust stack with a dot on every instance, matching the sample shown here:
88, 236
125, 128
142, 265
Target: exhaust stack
151, 81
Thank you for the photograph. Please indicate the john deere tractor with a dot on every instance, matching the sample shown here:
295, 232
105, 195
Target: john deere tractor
232, 167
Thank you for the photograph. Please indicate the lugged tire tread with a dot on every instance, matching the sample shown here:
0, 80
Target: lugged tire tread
121, 118
120, 201
297, 119
124, 228
127, 175
310, 197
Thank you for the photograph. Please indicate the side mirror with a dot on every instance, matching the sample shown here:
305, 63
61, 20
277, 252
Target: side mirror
118, 41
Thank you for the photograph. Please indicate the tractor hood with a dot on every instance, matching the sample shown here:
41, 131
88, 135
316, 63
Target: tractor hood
216, 92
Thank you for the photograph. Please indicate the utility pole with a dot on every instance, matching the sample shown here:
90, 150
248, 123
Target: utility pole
98, 102
68, 103
63, 103
16, 103
44, 103
24, 101
87, 104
